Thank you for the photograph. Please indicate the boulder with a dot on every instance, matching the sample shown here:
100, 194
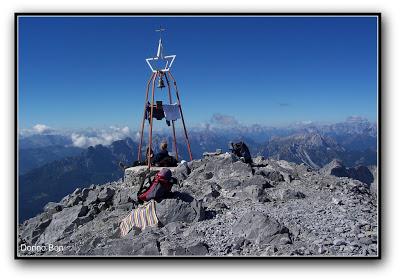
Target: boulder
226, 166
210, 191
259, 160
275, 176
271, 175
230, 183
335, 168
123, 196
240, 169
178, 210
146, 244
174, 227
257, 180
134, 175
255, 193
53, 207
182, 171
34, 227
288, 194
74, 200
259, 228
62, 223
92, 197
84, 193
106, 194
195, 249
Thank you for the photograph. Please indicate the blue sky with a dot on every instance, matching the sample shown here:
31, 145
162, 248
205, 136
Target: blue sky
77, 72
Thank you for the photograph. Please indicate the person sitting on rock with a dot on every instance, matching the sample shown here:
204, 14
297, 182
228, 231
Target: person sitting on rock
241, 150
163, 158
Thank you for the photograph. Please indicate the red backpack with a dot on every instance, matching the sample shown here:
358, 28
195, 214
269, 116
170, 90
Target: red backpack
157, 187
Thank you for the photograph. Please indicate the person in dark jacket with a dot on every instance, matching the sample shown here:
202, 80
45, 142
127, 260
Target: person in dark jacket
241, 150
163, 158
163, 154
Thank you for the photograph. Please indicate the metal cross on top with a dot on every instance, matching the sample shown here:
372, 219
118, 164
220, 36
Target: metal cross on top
169, 59
160, 30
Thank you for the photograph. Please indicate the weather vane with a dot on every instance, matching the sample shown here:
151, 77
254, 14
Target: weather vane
169, 59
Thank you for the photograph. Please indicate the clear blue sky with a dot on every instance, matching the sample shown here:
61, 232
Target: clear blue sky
78, 72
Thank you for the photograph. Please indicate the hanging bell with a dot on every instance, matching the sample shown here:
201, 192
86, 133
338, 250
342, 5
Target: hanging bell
161, 83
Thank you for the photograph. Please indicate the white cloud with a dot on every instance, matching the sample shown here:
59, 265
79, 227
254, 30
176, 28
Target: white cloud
97, 137
354, 119
36, 129
224, 120
41, 128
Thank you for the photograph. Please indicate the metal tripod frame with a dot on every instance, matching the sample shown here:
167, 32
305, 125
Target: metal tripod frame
152, 81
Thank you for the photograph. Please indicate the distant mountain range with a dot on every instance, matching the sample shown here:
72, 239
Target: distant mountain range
50, 167
310, 148
43, 140
96, 165
31, 158
316, 150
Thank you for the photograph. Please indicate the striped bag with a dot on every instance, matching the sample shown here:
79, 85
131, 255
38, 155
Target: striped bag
142, 217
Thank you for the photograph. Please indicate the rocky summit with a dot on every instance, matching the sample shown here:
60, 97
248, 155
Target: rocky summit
220, 207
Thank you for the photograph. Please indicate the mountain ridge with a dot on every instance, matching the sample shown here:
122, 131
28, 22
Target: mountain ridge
310, 144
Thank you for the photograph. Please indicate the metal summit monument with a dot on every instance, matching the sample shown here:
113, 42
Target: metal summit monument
160, 66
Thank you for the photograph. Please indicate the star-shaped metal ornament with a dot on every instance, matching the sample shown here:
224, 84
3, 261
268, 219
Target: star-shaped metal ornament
160, 58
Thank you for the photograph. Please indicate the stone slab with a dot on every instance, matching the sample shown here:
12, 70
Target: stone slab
134, 174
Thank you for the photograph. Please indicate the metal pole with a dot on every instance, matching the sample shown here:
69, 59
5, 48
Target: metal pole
151, 122
183, 120
173, 122
144, 117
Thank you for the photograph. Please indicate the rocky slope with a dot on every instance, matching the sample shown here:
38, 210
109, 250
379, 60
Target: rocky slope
222, 207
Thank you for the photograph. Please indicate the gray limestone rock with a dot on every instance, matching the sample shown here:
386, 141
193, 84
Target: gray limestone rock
257, 180
260, 229
178, 210
221, 206
106, 194
92, 197
53, 207
62, 222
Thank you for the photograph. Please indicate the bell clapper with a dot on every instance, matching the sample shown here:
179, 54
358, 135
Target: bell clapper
161, 81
